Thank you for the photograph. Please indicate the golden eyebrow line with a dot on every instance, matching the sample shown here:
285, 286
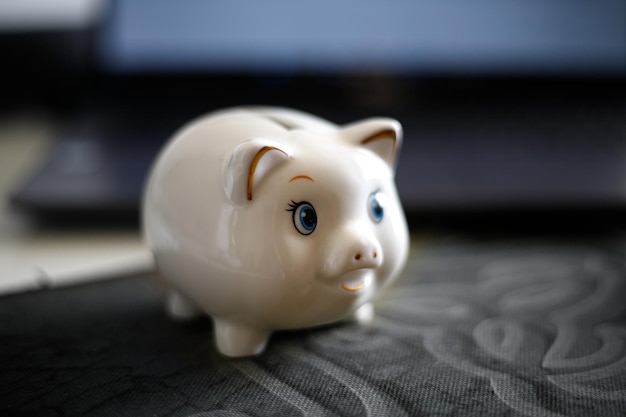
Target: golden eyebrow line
301, 177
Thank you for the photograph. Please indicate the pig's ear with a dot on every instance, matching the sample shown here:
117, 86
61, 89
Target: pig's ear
248, 165
381, 135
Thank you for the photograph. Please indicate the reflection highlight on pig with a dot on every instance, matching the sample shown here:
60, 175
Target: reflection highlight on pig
269, 219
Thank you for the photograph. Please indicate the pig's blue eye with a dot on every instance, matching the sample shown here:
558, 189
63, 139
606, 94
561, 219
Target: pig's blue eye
375, 206
304, 217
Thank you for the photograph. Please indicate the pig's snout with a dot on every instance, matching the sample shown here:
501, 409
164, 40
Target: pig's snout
349, 250
366, 255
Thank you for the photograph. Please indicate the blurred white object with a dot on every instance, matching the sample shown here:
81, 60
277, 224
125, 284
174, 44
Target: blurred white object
33, 15
61, 260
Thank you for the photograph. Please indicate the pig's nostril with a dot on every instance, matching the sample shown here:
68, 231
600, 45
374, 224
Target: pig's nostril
357, 256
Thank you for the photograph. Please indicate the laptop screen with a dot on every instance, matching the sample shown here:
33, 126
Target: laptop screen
347, 36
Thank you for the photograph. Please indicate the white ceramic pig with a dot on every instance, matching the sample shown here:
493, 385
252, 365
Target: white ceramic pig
270, 219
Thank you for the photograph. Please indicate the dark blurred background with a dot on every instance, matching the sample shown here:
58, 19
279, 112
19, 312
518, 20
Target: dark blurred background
512, 174
514, 111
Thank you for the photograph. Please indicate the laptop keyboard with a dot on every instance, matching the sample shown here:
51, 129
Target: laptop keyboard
454, 156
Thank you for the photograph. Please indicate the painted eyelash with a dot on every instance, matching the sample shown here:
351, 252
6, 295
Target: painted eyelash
292, 206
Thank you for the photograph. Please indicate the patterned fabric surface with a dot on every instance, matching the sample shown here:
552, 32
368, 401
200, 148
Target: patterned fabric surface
474, 328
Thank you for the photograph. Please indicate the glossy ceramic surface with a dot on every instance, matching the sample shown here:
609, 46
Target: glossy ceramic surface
270, 218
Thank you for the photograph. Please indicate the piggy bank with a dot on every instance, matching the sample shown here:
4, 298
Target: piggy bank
269, 219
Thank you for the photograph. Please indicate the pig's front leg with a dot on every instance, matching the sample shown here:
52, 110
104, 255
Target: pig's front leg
237, 339
180, 307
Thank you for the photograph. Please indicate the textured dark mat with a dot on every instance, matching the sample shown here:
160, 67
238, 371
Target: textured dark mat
498, 328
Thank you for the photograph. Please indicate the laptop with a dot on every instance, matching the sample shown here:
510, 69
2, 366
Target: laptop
505, 105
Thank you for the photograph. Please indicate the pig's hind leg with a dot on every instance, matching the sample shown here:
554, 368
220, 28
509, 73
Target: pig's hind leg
180, 307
